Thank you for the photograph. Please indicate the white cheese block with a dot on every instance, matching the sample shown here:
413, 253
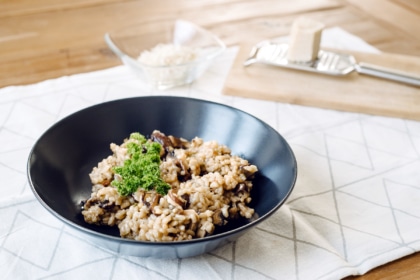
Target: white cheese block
305, 39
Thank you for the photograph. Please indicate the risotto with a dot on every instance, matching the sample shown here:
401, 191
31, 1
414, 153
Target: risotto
204, 186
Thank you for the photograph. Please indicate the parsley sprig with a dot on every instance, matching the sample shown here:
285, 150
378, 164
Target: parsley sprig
141, 170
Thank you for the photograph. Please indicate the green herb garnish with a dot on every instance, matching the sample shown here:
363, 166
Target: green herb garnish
141, 170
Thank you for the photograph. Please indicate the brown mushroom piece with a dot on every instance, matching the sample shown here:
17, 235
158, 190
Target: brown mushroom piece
233, 211
163, 140
86, 204
151, 200
185, 174
179, 142
218, 218
176, 200
186, 198
247, 171
104, 204
241, 188
193, 216
169, 143
105, 182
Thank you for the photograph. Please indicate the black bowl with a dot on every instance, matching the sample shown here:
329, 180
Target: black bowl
60, 161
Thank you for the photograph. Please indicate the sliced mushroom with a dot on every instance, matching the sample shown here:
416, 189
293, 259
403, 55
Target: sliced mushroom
193, 216
106, 182
104, 204
175, 200
241, 188
179, 142
186, 198
218, 218
151, 199
248, 170
163, 140
185, 173
233, 211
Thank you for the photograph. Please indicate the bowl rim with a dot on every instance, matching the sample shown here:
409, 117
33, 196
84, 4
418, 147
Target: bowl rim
133, 62
119, 239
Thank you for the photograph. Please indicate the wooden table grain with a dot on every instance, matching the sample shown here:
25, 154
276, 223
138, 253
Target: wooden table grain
46, 39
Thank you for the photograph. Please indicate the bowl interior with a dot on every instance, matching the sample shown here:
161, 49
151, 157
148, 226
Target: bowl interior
60, 161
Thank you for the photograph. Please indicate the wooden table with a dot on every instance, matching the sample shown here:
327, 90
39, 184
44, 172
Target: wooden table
51, 38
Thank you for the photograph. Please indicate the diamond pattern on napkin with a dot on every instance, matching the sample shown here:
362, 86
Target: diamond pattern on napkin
86, 270
354, 157
269, 244
27, 121
26, 233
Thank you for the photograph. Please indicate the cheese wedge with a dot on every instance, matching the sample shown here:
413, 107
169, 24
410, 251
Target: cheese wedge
305, 40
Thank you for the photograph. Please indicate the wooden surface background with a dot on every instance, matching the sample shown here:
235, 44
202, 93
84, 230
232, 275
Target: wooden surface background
46, 39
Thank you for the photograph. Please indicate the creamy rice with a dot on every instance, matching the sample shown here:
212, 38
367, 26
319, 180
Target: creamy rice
209, 187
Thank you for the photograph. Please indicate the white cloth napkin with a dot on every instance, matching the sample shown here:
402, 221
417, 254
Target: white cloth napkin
355, 205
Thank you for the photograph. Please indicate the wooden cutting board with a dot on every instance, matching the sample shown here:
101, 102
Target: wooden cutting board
354, 93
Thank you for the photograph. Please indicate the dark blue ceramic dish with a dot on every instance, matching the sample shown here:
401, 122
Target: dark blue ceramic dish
60, 161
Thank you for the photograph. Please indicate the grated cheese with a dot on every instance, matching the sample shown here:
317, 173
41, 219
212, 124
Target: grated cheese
167, 55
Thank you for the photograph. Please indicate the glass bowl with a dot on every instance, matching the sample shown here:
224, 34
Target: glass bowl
165, 54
